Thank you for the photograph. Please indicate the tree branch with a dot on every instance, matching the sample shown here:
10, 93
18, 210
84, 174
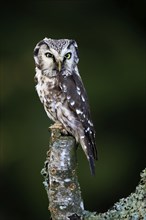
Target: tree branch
63, 190
61, 181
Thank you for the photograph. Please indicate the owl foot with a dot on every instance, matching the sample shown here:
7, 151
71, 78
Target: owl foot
58, 125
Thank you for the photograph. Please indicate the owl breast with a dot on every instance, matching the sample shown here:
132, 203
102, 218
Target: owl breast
56, 104
50, 94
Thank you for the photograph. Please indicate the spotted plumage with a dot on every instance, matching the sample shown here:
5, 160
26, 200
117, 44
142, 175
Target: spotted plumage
62, 92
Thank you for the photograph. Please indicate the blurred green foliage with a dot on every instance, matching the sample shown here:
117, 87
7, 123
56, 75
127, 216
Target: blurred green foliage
111, 40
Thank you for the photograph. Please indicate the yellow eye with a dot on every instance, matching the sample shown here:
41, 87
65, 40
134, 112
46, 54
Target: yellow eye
68, 56
48, 54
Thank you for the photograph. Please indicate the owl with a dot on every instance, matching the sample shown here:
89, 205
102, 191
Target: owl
62, 93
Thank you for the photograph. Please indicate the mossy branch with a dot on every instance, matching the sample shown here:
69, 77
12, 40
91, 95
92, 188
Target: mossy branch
63, 190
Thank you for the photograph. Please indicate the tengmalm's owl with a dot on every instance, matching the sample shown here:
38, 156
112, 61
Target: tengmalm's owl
61, 90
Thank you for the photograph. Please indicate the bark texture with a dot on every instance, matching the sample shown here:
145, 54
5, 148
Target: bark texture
61, 181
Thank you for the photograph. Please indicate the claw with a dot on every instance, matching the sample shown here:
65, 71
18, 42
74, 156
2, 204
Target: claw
58, 125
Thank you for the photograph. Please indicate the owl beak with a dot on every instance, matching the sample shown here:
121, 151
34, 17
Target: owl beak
59, 65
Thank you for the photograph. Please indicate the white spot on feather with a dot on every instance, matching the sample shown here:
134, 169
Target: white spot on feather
65, 88
72, 103
88, 129
78, 111
90, 123
83, 98
79, 92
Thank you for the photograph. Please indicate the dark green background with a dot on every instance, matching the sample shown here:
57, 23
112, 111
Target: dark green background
111, 39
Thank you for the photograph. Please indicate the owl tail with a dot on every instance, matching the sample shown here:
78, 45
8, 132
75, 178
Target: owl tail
92, 165
89, 154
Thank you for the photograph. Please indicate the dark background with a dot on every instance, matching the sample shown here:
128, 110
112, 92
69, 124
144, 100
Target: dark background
111, 39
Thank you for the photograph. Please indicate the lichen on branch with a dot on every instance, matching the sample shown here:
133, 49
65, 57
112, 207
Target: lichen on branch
131, 208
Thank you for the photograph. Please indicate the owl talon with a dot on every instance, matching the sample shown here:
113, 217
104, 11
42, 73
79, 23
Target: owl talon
58, 125
64, 132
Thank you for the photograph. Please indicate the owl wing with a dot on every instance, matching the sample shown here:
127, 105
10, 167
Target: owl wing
78, 103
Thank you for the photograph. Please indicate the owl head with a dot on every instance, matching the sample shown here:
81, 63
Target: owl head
54, 56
